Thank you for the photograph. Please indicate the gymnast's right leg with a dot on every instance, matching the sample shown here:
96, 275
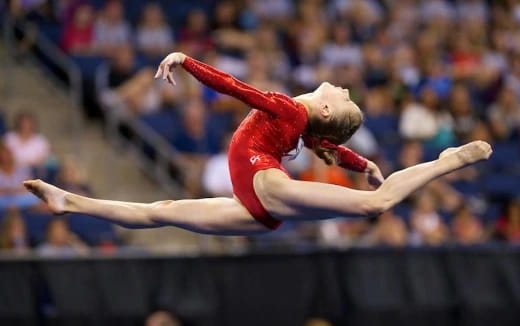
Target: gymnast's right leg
293, 200
223, 216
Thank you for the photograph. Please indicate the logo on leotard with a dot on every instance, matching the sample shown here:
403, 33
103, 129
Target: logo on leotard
254, 159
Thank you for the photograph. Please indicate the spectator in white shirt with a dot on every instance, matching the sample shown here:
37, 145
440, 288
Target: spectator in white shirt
154, 37
216, 179
340, 51
12, 192
60, 241
111, 31
425, 120
30, 149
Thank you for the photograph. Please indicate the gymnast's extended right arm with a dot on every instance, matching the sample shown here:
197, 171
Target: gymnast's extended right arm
221, 82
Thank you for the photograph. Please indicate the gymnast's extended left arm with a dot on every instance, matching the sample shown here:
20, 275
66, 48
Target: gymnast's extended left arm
219, 81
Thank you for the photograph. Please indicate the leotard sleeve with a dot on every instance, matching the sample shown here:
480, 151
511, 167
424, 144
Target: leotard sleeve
346, 158
224, 83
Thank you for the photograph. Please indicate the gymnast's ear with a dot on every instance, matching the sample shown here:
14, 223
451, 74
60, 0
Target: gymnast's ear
325, 111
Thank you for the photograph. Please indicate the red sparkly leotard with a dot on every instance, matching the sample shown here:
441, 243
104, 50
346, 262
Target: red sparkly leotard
265, 135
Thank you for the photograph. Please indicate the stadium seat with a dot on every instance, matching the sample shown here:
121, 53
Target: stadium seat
384, 127
88, 65
36, 223
467, 188
164, 122
505, 157
90, 229
499, 185
51, 31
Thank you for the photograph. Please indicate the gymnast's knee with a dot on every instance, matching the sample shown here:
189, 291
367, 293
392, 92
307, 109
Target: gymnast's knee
156, 211
378, 203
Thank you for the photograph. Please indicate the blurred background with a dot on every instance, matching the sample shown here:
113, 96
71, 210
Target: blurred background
79, 108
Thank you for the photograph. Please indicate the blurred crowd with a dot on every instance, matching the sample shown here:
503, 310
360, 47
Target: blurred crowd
26, 224
427, 74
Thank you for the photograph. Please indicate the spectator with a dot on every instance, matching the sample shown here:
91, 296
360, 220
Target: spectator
461, 108
79, 32
268, 45
435, 123
30, 149
154, 37
427, 226
71, 178
12, 191
390, 230
194, 38
193, 136
320, 172
411, 154
126, 88
504, 115
162, 318
275, 11
230, 40
13, 233
317, 322
466, 227
215, 178
60, 241
111, 31
508, 225
195, 142
342, 232
340, 50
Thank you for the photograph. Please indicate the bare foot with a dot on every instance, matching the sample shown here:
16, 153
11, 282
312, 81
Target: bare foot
53, 196
470, 153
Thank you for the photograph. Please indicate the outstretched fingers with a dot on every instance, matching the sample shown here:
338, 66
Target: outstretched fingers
165, 70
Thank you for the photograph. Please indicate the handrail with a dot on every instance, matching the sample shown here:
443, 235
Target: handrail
60, 59
166, 155
52, 52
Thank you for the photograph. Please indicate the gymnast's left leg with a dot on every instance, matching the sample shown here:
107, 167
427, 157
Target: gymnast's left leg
224, 216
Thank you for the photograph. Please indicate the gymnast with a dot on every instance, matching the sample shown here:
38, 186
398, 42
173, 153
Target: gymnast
264, 194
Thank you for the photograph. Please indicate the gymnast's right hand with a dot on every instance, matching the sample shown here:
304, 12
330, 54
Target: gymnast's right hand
166, 67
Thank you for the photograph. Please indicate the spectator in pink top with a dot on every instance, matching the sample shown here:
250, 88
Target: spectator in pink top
79, 32
30, 149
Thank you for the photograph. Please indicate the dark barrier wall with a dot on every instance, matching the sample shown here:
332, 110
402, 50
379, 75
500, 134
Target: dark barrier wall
358, 287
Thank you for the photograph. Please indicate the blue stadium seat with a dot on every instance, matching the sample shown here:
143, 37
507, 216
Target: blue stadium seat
51, 31
88, 65
98, 4
431, 153
502, 185
391, 152
90, 229
176, 11
404, 211
164, 122
134, 10
467, 188
36, 223
384, 127
505, 157
492, 213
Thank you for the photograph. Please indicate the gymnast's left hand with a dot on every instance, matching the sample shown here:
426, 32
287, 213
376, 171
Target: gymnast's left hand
374, 176
168, 64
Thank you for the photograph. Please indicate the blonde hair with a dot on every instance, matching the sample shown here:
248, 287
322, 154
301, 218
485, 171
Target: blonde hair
336, 130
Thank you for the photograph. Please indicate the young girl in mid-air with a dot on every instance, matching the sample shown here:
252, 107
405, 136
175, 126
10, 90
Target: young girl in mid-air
264, 194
